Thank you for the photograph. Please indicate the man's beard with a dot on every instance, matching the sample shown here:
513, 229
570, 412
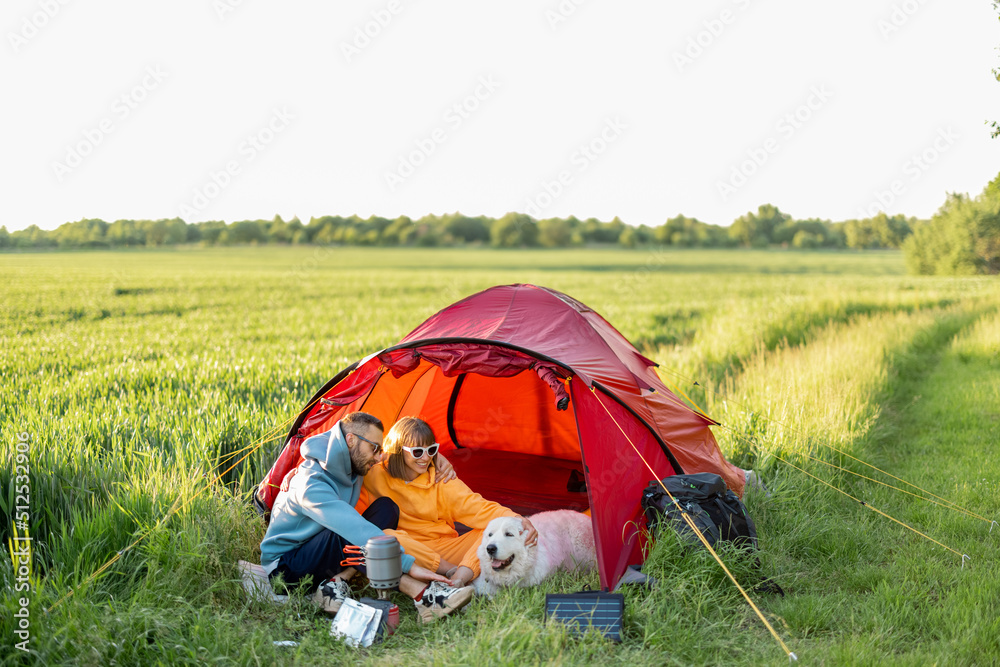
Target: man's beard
356, 464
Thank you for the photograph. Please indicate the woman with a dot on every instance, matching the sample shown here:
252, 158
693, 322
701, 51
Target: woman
428, 511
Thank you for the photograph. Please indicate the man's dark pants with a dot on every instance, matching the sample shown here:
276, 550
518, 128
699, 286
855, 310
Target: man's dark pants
320, 557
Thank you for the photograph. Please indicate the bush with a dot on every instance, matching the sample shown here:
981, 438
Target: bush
963, 237
804, 239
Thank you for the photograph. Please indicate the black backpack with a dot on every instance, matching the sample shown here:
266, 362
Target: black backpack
717, 512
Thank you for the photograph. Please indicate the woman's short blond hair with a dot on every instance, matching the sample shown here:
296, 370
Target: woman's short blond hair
407, 432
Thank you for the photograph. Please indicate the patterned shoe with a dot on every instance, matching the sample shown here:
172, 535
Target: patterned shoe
440, 599
331, 594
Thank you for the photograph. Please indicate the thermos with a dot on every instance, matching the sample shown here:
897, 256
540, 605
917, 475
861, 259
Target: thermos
384, 562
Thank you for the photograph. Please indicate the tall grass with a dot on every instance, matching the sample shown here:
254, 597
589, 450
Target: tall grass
811, 399
139, 375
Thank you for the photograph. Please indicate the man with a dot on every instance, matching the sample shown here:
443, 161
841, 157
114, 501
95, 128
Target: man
314, 520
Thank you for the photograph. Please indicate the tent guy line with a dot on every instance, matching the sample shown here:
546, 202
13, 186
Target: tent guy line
271, 434
948, 504
695, 530
876, 510
909, 493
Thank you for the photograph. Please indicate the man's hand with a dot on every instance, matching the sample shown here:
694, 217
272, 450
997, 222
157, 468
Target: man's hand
445, 471
531, 535
423, 574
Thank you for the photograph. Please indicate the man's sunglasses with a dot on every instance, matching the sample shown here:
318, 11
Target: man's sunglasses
418, 452
376, 445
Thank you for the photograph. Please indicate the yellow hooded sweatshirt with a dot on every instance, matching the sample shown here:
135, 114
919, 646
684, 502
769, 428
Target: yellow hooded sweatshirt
427, 516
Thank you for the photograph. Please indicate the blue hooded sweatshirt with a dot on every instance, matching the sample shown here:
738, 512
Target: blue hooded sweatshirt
322, 494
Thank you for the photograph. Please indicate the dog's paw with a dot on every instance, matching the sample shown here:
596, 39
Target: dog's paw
483, 587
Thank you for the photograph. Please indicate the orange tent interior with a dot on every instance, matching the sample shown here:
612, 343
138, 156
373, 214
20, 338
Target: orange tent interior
490, 424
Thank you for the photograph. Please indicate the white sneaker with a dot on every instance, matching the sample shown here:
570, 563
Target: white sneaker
440, 599
331, 595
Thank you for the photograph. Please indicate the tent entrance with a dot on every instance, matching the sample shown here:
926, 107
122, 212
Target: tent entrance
504, 435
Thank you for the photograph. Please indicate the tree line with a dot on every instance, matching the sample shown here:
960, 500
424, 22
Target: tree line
962, 238
766, 227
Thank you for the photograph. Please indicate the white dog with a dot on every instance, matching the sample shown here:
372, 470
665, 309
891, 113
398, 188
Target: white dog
565, 542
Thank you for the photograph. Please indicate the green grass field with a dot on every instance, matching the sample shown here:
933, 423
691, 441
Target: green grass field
137, 375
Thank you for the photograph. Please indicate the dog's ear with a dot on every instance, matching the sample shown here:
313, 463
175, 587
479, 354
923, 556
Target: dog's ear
510, 528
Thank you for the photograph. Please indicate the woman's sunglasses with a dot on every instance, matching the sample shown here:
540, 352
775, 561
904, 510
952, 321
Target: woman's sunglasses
418, 452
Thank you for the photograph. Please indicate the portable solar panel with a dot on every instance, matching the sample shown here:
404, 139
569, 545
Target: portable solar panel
588, 609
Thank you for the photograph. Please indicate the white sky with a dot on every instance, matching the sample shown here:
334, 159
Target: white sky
331, 125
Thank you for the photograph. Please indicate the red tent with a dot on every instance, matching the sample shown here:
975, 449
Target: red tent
534, 398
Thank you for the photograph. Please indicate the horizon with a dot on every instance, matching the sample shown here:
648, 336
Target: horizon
444, 215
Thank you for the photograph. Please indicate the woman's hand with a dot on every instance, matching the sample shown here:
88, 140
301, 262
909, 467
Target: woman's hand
445, 471
423, 574
531, 536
